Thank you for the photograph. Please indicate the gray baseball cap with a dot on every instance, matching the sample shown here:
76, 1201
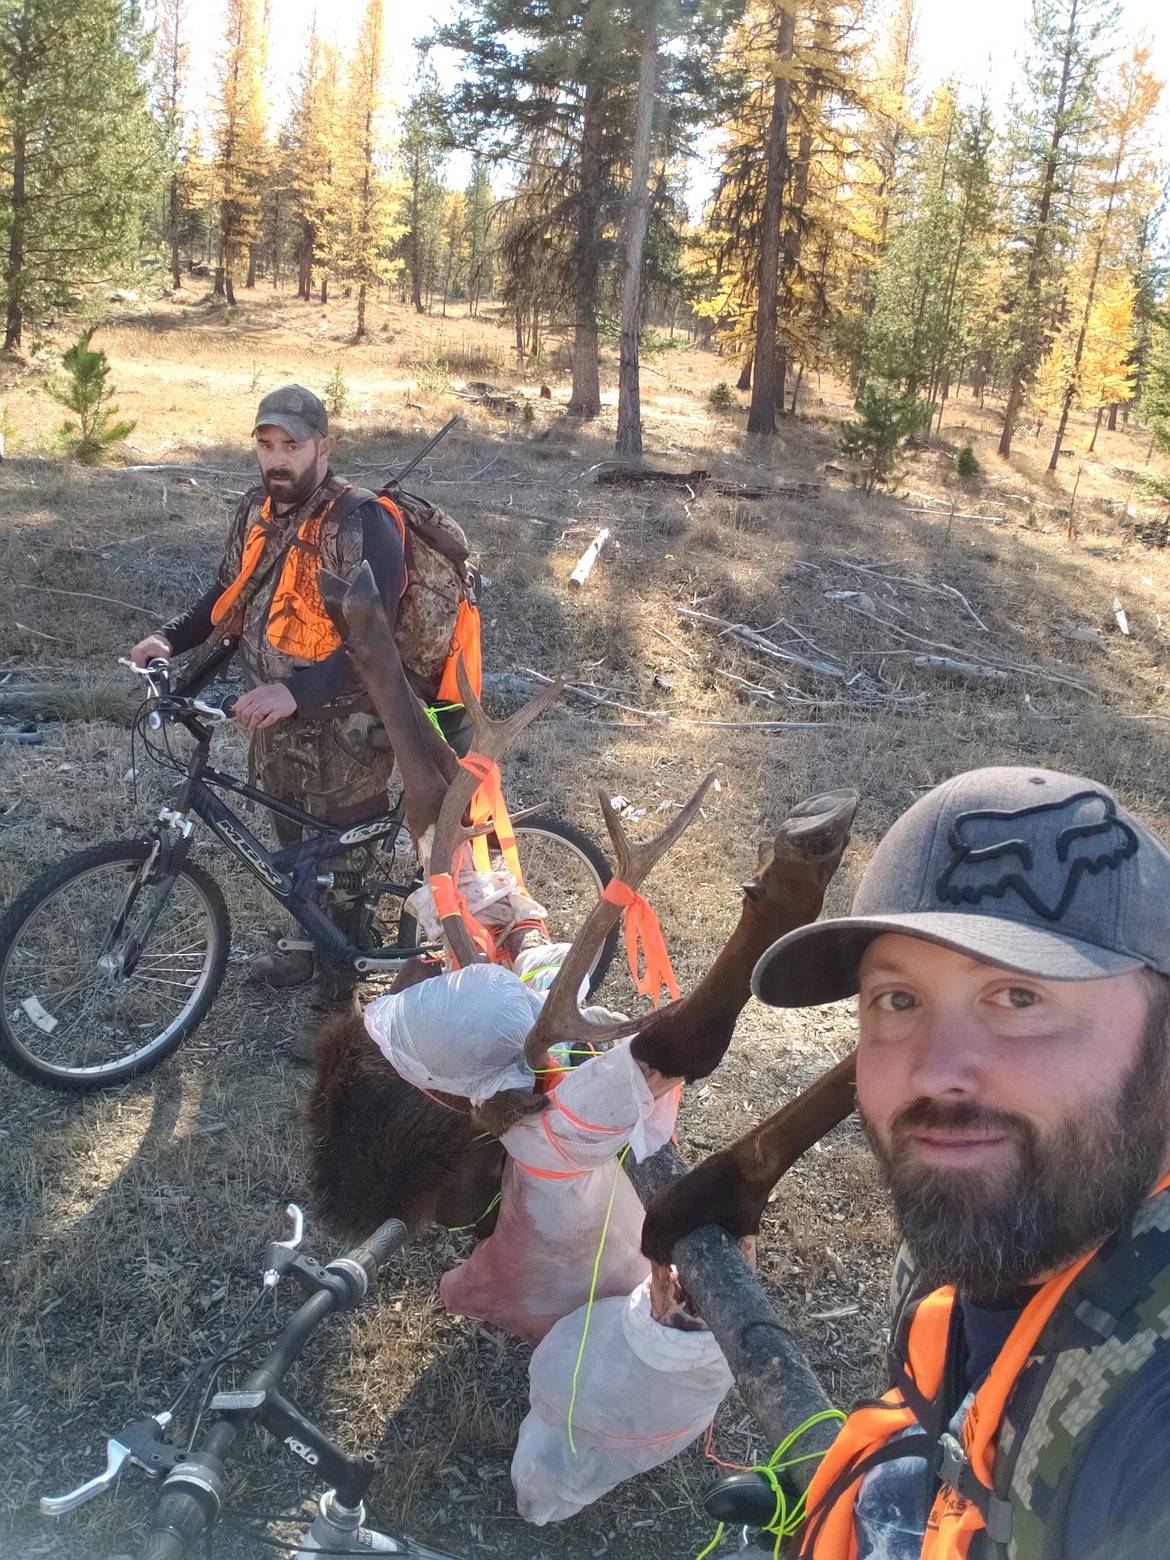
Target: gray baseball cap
1036, 871
296, 410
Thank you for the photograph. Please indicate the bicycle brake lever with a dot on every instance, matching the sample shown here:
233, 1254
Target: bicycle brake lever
280, 1253
138, 1442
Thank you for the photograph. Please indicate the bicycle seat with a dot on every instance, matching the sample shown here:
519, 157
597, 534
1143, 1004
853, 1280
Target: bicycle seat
742, 1500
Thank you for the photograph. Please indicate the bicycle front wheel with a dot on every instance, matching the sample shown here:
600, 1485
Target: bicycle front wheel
103, 974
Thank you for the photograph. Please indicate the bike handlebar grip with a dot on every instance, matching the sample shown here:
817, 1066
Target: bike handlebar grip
378, 1247
179, 1520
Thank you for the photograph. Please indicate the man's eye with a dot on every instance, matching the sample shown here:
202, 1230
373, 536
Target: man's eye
896, 1001
1017, 997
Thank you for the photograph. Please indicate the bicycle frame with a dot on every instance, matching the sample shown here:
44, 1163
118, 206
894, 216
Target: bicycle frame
290, 874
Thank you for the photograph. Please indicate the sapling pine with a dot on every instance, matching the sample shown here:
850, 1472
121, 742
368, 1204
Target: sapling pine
87, 395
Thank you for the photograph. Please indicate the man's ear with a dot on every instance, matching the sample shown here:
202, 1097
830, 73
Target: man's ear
328, 445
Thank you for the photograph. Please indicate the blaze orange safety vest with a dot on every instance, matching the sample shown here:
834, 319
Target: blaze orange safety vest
964, 1505
298, 624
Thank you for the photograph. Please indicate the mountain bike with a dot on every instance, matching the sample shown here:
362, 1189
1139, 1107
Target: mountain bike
192, 1494
111, 958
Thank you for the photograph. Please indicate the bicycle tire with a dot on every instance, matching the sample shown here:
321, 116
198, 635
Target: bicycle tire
568, 892
97, 1012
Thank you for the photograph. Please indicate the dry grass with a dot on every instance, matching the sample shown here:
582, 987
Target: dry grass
133, 1224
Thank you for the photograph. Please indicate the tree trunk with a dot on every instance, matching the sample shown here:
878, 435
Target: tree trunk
762, 413
228, 287
176, 269
629, 421
1096, 430
250, 280
324, 290
796, 390
361, 312
14, 272
1112, 423
744, 382
585, 264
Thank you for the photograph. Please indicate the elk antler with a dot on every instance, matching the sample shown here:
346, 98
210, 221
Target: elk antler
731, 1187
491, 739
561, 1017
689, 1038
424, 760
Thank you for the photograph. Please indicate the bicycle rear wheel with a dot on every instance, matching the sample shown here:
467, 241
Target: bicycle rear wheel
565, 872
103, 975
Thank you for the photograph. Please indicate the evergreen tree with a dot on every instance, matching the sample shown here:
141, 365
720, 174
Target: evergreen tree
171, 58
312, 153
1048, 152
78, 152
479, 220
423, 206
241, 142
362, 226
1121, 187
90, 432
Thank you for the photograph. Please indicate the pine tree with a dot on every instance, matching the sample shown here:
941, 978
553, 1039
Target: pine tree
78, 153
312, 154
1122, 187
421, 156
1067, 41
240, 144
171, 56
362, 227
86, 394
479, 208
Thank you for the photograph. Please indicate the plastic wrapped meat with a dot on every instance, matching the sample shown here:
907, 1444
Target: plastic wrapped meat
562, 1180
644, 1392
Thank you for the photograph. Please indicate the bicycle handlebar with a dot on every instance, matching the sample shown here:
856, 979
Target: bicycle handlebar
190, 1497
157, 673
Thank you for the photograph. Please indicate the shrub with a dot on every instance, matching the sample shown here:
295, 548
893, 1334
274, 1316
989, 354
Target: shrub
887, 416
336, 395
88, 397
719, 397
965, 463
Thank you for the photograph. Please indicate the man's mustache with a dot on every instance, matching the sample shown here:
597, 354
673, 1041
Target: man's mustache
955, 1116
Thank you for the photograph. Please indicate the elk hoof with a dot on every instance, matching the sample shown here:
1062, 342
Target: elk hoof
818, 827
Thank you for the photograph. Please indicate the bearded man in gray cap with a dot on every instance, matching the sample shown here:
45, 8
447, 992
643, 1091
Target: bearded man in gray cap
304, 707
1009, 947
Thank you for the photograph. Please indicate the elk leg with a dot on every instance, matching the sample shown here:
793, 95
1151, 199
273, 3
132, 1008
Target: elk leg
732, 1187
689, 1038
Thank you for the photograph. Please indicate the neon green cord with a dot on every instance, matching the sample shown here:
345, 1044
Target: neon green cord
592, 1292
785, 1521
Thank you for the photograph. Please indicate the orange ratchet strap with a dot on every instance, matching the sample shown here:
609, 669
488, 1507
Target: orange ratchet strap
449, 901
643, 933
488, 807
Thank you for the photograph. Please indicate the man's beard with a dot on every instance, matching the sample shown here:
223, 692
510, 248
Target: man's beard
289, 490
991, 1232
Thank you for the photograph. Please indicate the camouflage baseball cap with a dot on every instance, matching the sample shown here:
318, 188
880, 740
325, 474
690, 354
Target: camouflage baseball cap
296, 410
1036, 871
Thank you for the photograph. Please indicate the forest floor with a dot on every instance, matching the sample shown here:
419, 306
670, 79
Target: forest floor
132, 1224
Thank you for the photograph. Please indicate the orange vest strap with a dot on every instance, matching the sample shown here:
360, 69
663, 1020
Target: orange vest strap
644, 942
253, 547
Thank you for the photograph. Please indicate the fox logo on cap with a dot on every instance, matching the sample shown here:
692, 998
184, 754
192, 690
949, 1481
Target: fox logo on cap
1081, 834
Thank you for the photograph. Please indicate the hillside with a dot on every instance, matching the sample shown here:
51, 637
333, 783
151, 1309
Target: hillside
133, 1224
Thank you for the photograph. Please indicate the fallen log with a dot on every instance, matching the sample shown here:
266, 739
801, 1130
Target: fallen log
588, 558
776, 1381
626, 476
